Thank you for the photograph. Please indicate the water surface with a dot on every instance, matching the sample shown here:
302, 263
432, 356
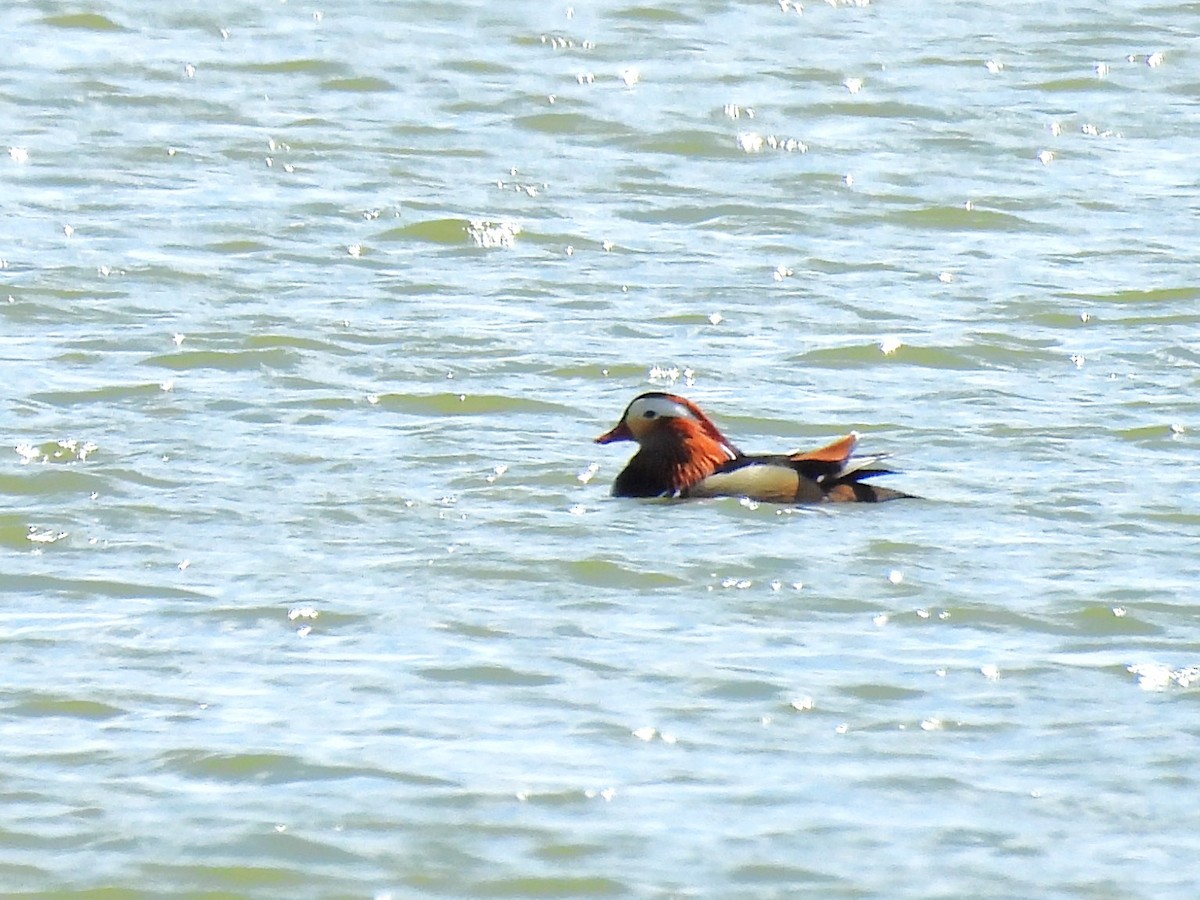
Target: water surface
312, 584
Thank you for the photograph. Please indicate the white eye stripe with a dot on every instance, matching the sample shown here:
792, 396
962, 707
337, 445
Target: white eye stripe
653, 407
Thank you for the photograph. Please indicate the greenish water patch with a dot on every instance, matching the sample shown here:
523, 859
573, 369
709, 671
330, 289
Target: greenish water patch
465, 404
873, 355
1169, 295
266, 768
880, 692
959, 218
437, 231
240, 247
1090, 85
690, 144
477, 67
43, 481
743, 689
766, 874
606, 573
227, 360
84, 587
108, 394
1110, 620
14, 534
303, 65
225, 881
296, 342
568, 851
659, 15
1148, 434
568, 123
83, 21
63, 706
594, 370
552, 886
359, 85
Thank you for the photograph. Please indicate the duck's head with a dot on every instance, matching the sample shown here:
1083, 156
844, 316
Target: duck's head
657, 416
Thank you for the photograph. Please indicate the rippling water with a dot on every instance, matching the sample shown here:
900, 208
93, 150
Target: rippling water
311, 581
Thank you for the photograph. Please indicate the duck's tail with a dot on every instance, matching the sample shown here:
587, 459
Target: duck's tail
841, 476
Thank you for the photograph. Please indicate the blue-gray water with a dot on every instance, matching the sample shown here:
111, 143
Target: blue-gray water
311, 585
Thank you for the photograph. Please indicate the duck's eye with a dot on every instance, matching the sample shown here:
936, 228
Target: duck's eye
649, 414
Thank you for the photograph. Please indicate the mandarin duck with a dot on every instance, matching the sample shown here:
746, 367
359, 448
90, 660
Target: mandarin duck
681, 453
